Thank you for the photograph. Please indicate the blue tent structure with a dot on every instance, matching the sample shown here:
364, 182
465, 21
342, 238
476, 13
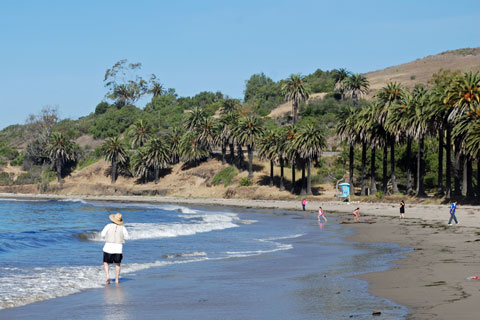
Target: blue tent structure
345, 191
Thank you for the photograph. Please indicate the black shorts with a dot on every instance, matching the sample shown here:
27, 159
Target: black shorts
112, 257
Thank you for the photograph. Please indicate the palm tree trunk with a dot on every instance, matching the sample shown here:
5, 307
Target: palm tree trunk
114, 169
478, 178
282, 186
293, 177
224, 153
463, 160
232, 153
448, 164
309, 176
303, 190
354, 99
157, 174
385, 164
350, 169
373, 184
440, 163
364, 164
392, 165
409, 166
420, 170
59, 169
295, 111
271, 173
470, 192
456, 171
250, 161
240, 156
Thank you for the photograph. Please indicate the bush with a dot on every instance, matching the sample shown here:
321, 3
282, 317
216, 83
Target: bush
379, 195
5, 179
245, 182
18, 161
225, 176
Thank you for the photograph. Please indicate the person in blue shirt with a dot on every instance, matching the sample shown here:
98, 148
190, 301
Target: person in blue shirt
453, 208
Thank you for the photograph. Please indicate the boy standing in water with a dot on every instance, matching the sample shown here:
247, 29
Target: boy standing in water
321, 214
114, 234
453, 208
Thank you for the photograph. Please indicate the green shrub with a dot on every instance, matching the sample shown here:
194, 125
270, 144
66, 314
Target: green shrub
245, 182
379, 195
18, 161
5, 179
225, 176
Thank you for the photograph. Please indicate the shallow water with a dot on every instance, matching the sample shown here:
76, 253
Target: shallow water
272, 264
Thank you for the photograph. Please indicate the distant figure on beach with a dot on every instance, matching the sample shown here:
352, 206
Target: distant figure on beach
356, 214
304, 203
402, 209
114, 234
321, 214
453, 208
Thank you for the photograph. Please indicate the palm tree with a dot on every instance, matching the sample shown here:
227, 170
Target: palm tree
439, 111
289, 151
347, 130
267, 149
191, 149
356, 84
173, 139
464, 96
115, 152
229, 106
157, 89
247, 132
420, 123
374, 133
194, 118
340, 75
140, 166
389, 96
363, 120
309, 144
60, 150
141, 132
295, 91
207, 133
157, 156
400, 121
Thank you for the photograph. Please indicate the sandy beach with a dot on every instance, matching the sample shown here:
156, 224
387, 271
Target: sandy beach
431, 280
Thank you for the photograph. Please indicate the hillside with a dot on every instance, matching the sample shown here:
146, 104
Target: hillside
420, 70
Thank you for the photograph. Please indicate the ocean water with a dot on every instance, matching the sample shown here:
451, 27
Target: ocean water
52, 249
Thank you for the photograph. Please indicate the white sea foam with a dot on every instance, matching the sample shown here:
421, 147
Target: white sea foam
73, 200
47, 283
196, 223
277, 246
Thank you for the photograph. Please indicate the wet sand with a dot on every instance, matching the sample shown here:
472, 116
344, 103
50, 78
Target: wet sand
431, 280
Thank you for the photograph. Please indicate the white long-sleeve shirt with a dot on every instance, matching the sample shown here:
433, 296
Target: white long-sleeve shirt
111, 247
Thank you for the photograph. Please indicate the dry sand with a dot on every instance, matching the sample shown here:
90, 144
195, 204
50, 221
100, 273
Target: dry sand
431, 280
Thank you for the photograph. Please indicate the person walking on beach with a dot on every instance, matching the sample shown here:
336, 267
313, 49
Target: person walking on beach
402, 209
114, 234
453, 208
304, 203
321, 214
356, 214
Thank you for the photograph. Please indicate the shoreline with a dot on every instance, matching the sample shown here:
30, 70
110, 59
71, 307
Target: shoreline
431, 280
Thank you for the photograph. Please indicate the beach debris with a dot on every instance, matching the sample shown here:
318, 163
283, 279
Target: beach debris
473, 278
376, 313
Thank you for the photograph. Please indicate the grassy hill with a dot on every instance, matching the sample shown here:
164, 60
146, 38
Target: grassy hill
421, 70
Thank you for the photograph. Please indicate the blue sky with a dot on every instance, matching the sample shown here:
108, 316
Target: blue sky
56, 52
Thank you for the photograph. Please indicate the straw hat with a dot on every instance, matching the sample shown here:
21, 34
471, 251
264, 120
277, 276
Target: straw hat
116, 218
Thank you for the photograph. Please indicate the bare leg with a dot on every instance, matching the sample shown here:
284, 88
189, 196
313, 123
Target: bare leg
325, 218
117, 269
105, 265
